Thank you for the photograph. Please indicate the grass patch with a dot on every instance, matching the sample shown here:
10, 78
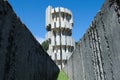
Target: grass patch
62, 76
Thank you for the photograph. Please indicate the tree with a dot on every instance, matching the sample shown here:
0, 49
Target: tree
45, 45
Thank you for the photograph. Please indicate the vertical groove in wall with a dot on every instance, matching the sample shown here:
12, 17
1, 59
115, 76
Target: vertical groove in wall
90, 35
100, 56
94, 61
97, 58
98, 49
83, 66
108, 48
9, 72
72, 69
2, 15
2, 24
116, 5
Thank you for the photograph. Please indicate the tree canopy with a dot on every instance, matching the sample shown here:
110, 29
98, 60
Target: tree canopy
45, 45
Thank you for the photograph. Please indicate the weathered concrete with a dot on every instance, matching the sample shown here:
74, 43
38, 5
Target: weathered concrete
97, 55
21, 56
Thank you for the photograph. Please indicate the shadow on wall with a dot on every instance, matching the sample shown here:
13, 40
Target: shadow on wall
21, 56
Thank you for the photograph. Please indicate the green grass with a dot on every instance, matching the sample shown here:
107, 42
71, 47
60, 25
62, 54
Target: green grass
62, 76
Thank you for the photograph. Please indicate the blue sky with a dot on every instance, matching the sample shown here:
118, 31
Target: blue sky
32, 14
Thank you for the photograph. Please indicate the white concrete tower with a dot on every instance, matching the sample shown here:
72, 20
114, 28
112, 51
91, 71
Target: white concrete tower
59, 23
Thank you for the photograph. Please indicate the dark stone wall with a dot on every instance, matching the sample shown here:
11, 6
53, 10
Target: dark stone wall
97, 55
21, 56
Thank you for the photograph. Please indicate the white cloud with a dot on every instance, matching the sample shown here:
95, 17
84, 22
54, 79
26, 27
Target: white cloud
40, 39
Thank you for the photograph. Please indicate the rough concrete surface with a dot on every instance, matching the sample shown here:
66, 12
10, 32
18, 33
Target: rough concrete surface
97, 55
21, 56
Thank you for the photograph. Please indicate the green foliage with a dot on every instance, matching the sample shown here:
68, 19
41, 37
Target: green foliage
45, 45
62, 76
76, 43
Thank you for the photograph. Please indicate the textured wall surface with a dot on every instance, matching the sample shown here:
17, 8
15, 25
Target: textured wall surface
21, 56
97, 56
